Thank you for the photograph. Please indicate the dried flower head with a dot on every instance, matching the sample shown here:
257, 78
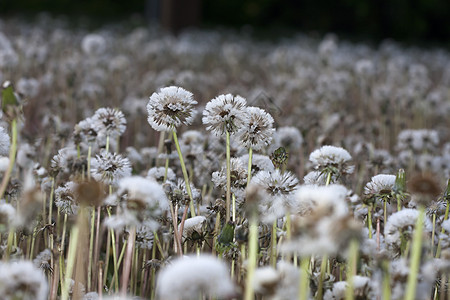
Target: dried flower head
380, 184
65, 198
402, 223
332, 160
187, 278
225, 113
170, 108
109, 122
110, 167
258, 129
21, 280
280, 188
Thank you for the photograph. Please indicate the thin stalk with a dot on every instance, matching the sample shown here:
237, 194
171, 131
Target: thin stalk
144, 259
113, 244
386, 281
438, 251
415, 256
323, 266
216, 232
273, 248
433, 234
128, 261
252, 257
89, 161
70, 261
249, 168
228, 191
185, 174
385, 212
91, 249
303, 285
369, 220
107, 143
328, 178
12, 158
352, 265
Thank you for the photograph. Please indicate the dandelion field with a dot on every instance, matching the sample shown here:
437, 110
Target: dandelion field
211, 165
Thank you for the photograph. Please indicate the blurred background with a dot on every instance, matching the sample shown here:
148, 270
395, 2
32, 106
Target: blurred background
405, 20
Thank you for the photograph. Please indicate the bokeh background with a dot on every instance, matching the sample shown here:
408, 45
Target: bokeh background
405, 20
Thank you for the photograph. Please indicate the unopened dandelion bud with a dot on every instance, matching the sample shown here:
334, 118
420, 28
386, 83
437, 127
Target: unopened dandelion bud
279, 157
400, 182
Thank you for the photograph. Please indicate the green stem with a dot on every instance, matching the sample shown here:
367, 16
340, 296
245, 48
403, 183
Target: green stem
352, 265
303, 285
70, 261
91, 249
415, 256
433, 233
323, 266
328, 178
12, 158
89, 161
249, 169
369, 220
438, 251
186, 177
228, 191
113, 243
386, 280
252, 257
107, 143
385, 213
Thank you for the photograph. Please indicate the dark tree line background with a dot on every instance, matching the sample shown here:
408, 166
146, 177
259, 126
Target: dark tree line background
407, 20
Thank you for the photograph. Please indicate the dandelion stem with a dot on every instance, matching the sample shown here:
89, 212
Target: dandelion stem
323, 266
185, 174
438, 251
249, 169
369, 220
303, 285
228, 163
91, 249
415, 256
128, 260
70, 261
386, 280
352, 265
273, 248
252, 256
12, 157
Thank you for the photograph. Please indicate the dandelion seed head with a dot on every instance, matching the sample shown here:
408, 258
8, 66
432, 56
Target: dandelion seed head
225, 113
158, 173
65, 198
258, 129
402, 223
109, 122
288, 137
380, 184
190, 276
329, 155
93, 44
21, 280
109, 168
170, 108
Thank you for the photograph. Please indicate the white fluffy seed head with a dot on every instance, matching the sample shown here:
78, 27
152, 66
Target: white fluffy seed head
170, 108
187, 277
